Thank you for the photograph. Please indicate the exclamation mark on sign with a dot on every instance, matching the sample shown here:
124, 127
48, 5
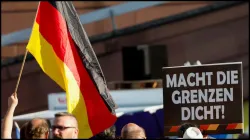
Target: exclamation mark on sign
222, 111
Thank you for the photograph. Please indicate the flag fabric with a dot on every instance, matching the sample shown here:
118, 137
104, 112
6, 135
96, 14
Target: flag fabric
61, 47
17, 130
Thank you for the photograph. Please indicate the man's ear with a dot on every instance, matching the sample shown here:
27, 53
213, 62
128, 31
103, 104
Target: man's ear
77, 131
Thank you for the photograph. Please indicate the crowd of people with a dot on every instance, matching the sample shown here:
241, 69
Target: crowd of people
65, 126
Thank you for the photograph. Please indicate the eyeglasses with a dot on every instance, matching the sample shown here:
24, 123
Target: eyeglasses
61, 128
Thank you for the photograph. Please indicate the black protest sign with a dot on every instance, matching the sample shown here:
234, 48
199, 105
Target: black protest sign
209, 96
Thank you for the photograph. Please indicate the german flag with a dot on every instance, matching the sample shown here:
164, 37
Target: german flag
61, 47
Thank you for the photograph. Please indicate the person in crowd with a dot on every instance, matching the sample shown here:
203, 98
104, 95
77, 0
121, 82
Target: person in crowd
65, 126
106, 134
182, 129
193, 133
7, 123
133, 131
37, 128
111, 132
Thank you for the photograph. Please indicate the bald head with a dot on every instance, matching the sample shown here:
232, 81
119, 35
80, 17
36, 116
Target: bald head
37, 121
36, 128
133, 131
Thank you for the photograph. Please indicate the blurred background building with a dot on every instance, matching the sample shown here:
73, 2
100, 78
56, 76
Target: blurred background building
131, 47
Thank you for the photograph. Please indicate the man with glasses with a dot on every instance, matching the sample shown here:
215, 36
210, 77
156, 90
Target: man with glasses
65, 126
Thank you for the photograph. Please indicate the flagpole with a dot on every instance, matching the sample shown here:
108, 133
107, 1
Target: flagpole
21, 71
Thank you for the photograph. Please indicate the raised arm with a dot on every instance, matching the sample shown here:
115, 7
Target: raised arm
8, 118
